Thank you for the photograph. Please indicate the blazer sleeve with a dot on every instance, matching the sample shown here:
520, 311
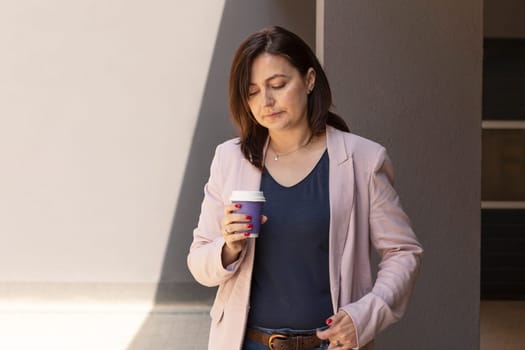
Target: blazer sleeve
204, 259
400, 252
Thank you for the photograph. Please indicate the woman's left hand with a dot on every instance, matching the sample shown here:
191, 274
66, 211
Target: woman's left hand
341, 333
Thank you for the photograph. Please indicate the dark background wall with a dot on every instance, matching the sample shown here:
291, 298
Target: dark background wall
408, 75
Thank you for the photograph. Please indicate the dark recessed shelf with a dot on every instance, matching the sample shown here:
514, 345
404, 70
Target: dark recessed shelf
504, 79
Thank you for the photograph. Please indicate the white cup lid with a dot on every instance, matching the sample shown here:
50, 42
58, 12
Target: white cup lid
248, 196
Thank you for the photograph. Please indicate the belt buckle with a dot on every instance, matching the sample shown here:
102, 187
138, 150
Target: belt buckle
275, 336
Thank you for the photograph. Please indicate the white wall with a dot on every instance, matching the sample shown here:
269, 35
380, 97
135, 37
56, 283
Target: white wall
109, 116
98, 105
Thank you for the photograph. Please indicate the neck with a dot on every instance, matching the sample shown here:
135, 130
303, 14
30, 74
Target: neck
288, 141
291, 144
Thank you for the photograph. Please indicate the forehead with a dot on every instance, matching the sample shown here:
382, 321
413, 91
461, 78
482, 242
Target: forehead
267, 65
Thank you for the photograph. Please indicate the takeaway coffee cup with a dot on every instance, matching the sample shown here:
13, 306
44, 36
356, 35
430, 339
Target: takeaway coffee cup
251, 204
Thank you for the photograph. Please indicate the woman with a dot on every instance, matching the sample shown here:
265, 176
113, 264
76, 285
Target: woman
305, 283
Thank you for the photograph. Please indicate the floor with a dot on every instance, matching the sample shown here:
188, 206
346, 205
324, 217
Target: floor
102, 327
502, 325
134, 327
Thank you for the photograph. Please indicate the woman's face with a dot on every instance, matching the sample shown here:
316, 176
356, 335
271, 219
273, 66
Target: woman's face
278, 93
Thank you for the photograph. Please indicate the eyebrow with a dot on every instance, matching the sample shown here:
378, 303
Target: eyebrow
278, 75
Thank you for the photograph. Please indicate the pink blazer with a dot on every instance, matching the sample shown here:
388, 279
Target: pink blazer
365, 211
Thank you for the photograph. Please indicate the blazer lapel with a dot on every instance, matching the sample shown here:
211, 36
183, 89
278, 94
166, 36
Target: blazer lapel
341, 182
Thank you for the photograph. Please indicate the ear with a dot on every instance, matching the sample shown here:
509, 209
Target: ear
310, 79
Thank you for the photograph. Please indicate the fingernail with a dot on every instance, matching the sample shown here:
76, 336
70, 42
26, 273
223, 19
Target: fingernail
250, 226
246, 234
237, 206
329, 321
248, 217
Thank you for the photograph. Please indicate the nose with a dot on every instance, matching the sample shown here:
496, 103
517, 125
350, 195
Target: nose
268, 98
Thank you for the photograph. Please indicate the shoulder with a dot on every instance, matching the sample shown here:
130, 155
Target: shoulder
228, 154
229, 145
362, 146
364, 152
229, 148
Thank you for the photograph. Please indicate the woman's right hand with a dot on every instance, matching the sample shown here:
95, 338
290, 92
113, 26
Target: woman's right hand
235, 229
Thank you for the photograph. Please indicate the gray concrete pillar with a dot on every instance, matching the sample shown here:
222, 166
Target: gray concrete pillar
407, 74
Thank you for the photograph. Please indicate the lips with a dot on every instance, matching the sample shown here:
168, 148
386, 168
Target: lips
272, 114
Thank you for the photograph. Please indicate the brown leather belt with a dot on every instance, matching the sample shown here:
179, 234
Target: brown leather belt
279, 341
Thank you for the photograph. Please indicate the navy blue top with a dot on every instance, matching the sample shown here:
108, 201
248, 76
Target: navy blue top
291, 283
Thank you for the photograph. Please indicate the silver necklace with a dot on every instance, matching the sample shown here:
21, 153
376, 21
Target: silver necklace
277, 156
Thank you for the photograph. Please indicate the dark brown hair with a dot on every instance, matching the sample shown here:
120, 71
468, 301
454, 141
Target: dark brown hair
276, 41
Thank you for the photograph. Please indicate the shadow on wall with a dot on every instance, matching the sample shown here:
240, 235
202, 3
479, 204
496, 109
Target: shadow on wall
239, 19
